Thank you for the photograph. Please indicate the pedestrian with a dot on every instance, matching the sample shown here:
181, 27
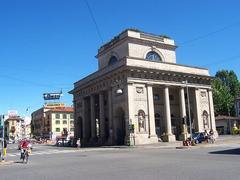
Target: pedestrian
78, 143
211, 136
206, 136
4, 149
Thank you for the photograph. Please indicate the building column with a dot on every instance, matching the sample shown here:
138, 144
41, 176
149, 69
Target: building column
168, 137
183, 135
84, 134
93, 118
110, 118
211, 111
198, 119
102, 117
131, 114
151, 115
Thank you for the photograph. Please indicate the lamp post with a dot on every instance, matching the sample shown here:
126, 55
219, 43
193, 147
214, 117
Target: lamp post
189, 113
3, 137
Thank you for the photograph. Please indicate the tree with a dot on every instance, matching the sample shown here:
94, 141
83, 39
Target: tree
229, 78
226, 88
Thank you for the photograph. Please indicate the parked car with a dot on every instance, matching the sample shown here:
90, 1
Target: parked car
10, 141
199, 137
24, 140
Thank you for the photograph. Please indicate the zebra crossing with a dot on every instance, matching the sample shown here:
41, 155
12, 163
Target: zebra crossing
43, 152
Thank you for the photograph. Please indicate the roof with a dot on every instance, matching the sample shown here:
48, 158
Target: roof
61, 109
221, 117
14, 118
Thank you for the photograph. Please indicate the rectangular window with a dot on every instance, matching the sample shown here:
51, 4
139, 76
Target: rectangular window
57, 122
71, 116
71, 122
71, 129
64, 116
64, 122
57, 116
57, 129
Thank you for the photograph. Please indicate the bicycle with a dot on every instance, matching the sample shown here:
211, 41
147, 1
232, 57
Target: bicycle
24, 155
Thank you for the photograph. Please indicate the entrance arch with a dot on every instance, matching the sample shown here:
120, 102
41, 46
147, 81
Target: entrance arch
120, 126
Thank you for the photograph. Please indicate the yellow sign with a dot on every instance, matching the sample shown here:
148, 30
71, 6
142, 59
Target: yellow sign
53, 105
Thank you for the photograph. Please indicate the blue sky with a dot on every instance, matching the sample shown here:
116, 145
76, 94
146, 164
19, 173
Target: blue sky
47, 45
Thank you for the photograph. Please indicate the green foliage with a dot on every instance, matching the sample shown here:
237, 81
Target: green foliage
226, 88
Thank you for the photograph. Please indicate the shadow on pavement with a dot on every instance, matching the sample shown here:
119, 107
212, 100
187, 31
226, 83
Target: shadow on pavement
229, 151
19, 162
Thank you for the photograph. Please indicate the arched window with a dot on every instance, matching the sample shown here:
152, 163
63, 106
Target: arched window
153, 56
141, 121
205, 119
112, 60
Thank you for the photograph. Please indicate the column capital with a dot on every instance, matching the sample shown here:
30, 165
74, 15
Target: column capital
130, 83
209, 90
149, 85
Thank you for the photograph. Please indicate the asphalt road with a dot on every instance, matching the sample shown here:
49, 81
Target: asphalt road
218, 162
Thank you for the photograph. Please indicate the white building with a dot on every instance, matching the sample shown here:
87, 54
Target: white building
139, 84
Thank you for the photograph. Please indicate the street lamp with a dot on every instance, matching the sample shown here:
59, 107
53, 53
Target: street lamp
189, 113
119, 90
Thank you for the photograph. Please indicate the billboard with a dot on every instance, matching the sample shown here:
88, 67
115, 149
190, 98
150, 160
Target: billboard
53, 105
52, 96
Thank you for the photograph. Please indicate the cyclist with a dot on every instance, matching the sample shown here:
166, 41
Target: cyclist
25, 149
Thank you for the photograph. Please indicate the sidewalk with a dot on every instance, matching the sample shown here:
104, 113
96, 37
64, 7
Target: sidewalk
221, 140
6, 162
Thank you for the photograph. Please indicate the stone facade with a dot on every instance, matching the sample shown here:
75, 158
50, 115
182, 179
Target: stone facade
139, 85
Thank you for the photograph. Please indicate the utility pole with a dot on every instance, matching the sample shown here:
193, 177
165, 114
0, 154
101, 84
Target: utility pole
189, 112
2, 126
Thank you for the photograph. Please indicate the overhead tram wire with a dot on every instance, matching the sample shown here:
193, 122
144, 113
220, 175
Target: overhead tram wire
94, 20
209, 34
225, 60
30, 82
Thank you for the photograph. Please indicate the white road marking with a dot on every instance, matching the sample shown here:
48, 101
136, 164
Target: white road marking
43, 152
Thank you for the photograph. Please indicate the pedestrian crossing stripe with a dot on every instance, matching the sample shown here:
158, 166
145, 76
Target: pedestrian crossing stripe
43, 152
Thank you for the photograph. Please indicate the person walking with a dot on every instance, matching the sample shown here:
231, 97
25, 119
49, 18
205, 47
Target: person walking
78, 143
4, 149
211, 137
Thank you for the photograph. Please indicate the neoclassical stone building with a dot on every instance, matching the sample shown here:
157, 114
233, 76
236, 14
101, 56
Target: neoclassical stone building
138, 84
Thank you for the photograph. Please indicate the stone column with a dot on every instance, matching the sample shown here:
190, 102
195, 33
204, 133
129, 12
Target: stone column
102, 117
183, 135
169, 137
93, 118
198, 118
131, 114
211, 110
151, 116
84, 135
110, 118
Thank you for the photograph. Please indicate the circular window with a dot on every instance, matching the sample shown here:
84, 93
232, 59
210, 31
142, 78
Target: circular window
153, 56
112, 60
